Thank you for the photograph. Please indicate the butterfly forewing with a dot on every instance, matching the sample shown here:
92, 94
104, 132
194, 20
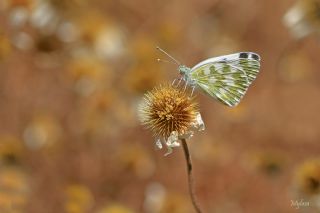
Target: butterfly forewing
227, 78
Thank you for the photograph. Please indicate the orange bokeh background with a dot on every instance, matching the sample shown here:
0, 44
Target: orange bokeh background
72, 74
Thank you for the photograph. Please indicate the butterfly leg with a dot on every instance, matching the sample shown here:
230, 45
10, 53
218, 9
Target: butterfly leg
193, 87
174, 82
185, 85
180, 79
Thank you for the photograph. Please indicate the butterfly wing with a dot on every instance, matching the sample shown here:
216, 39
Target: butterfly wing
227, 78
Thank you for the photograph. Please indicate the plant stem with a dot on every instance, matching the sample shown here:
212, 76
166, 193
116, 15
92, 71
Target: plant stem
190, 176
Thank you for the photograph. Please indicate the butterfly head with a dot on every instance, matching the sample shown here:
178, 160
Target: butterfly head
184, 70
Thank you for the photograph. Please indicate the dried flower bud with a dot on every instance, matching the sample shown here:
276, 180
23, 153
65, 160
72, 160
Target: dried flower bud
171, 114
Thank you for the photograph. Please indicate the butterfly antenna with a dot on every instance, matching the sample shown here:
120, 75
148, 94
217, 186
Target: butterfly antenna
172, 58
165, 61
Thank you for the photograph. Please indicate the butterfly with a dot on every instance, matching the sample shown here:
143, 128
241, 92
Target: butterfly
225, 78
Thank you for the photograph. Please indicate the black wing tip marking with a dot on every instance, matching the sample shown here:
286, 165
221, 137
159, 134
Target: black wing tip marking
249, 55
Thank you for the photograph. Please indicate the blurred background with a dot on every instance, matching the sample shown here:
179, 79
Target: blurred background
72, 73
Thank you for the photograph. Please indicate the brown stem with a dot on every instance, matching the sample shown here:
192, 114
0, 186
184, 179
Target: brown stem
190, 176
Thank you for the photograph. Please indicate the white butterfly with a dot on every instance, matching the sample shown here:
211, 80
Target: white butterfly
226, 78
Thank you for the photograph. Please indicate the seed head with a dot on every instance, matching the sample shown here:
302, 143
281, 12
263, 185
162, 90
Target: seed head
167, 109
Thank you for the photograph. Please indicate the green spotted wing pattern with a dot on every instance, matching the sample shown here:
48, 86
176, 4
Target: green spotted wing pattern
226, 78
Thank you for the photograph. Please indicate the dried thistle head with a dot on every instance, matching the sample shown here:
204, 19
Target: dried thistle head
167, 109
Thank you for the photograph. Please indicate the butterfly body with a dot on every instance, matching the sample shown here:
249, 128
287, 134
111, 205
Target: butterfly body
186, 75
226, 78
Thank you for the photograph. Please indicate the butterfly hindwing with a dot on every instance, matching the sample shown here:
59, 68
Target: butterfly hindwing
227, 78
